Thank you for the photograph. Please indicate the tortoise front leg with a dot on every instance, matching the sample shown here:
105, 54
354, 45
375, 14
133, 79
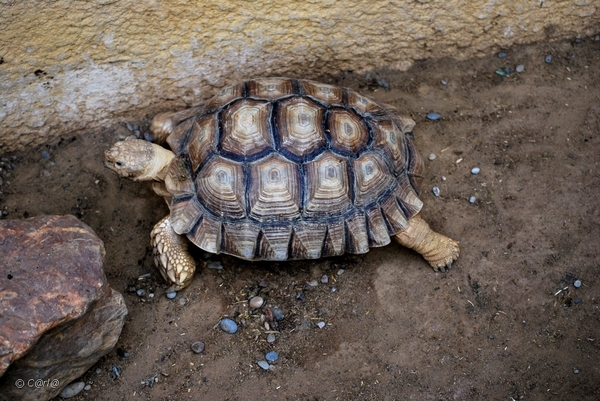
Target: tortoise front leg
171, 255
439, 250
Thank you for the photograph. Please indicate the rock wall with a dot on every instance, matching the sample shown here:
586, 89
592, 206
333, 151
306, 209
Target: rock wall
72, 65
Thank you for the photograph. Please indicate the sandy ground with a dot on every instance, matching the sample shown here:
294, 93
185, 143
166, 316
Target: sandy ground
506, 323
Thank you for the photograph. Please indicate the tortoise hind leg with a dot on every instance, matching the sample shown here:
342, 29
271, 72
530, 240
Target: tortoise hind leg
439, 250
171, 255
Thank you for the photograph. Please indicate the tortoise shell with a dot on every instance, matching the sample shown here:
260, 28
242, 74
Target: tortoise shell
276, 169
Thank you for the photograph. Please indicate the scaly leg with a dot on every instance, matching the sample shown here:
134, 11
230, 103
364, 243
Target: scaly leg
439, 250
171, 255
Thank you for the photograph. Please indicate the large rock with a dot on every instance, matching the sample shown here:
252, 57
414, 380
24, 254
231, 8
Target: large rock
58, 315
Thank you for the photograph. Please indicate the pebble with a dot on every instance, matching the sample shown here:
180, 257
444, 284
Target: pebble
277, 313
436, 191
577, 283
433, 116
148, 137
324, 279
271, 338
321, 325
45, 155
141, 292
340, 272
548, 59
520, 68
443, 82
501, 72
98, 371
577, 301
197, 347
228, 326
271, 356
130, 127
182, 301
263, 364
383, 83
122, 353
313, 283
172, 294
576, 371
256, 302
475, 170
87, 387
431, 156
216, 265
502, 54
71, 390
472, 200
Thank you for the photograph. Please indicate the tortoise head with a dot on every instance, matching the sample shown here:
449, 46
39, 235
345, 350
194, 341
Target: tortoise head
131, 158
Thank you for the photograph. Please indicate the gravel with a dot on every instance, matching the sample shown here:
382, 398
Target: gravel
228, 326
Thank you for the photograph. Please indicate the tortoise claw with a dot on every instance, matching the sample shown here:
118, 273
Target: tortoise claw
442, 269
449, 265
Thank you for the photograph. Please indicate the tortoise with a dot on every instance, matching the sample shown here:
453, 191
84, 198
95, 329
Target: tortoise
281, 169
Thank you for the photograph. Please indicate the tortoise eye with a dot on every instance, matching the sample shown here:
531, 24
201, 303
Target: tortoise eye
119, 164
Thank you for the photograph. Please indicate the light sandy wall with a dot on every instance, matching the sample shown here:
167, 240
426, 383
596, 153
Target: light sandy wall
68, 65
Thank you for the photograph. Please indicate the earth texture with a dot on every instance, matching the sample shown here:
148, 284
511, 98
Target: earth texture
517, 317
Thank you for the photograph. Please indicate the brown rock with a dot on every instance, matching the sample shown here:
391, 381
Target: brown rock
58, 315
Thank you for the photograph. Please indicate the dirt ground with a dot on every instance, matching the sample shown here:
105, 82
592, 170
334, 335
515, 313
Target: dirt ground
506, 323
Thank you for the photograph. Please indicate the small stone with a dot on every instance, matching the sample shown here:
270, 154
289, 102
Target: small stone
172, 294
507, 71
141, 292
436, 191
472, 200
548, 59
443, 82
475, 170
431, 156
215, 265
433, 116
71, 390
277, 313
45, 155
383, 83
182, 301
340, 272
576, 371
501, 72
577, 301
98, 371
228, 326
263, 364
324, 279
520, 68
321, 325
313, 283
577, 283
87, 387
148, 137
271, 356
502, 54
130, 127
256, 302
151, 295
271, 338
122, 353
197, 347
